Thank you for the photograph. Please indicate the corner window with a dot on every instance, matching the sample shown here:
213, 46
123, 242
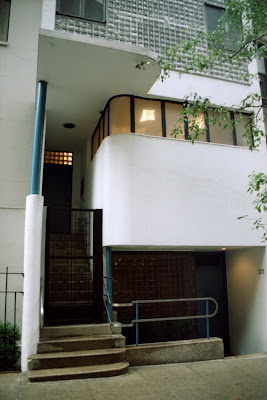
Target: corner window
4, 19
232, 34
88, 9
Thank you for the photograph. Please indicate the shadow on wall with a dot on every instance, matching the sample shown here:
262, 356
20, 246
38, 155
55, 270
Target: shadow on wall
246, 293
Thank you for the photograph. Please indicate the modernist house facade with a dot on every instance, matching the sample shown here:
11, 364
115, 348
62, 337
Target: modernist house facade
165, 221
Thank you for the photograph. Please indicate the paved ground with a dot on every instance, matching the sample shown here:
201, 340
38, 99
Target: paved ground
233, 378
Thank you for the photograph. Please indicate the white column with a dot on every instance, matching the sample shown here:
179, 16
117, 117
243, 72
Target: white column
32, 273
48, 14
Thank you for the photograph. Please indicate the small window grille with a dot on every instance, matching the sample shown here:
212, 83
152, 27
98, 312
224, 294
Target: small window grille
58, 157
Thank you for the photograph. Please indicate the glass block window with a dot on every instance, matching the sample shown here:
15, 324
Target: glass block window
88, 9
4, 19
58, 157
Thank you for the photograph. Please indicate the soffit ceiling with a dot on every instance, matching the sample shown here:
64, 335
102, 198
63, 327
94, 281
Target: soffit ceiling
82, 73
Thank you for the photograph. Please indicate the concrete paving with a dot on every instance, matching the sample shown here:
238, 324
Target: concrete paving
234, 378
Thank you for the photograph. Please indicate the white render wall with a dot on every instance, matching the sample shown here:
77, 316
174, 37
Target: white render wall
18, 64
168, 192
247, 300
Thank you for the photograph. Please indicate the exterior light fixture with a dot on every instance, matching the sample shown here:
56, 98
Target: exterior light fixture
69, 125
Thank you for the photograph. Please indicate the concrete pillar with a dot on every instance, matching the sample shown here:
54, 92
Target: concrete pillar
32, 274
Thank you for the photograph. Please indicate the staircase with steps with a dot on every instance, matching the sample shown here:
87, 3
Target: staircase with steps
76, 352
70, 296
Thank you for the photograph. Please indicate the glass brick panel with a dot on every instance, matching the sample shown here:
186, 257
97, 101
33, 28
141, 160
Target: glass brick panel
58, 157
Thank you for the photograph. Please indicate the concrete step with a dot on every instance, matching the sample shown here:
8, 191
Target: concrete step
76, 343
94, 371
76, 358
79, 330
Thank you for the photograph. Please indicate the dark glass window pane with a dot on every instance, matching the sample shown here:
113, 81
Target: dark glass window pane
212, 15
232, 34
4, 19
69, 7
94, 9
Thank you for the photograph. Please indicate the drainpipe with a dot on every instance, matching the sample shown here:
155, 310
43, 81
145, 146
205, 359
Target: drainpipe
109, 282
33, 239
38, 138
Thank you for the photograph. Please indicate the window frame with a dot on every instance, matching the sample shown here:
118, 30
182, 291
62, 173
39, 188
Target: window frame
81, 12
95, 138
227, 42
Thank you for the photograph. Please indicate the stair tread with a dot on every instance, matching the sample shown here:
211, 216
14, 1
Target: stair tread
80, 353
80, 338
76, 371
75, 326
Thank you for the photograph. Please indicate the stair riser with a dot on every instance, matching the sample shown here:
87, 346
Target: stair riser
80, 345
89, 330
79, 376
60, 362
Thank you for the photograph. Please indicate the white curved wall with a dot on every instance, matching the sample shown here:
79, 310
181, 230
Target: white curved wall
166, 192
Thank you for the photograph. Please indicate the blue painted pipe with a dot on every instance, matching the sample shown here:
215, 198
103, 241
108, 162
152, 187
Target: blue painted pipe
109, 281
38, 138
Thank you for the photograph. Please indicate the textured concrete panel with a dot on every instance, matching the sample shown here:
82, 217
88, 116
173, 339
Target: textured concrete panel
175, 352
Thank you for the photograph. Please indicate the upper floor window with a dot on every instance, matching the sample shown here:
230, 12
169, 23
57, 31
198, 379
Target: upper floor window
230, 35
154, 117
88, 9
4, 19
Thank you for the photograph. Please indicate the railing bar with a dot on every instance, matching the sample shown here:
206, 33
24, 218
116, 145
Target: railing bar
172, 318
71, 257
6, 300
172, 300
12, 273
136, 326
207, 319
108, 297
3, 291
14, 341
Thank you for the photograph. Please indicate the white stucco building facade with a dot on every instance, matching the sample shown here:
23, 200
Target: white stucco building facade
157, 193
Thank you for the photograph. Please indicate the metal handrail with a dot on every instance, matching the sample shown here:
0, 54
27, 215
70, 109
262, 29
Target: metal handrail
106, 295
136, 321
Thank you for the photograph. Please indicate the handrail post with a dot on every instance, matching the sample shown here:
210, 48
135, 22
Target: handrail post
207, 319
137, 325
109, 282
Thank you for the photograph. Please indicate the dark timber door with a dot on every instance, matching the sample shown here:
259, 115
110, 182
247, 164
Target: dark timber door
57, 190
73, 282
211, 282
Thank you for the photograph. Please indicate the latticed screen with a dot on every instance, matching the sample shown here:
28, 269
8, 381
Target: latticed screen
154, 275
58, 157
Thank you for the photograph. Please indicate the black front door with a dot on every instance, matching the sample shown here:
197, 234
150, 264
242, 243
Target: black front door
211, 282
57, 189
